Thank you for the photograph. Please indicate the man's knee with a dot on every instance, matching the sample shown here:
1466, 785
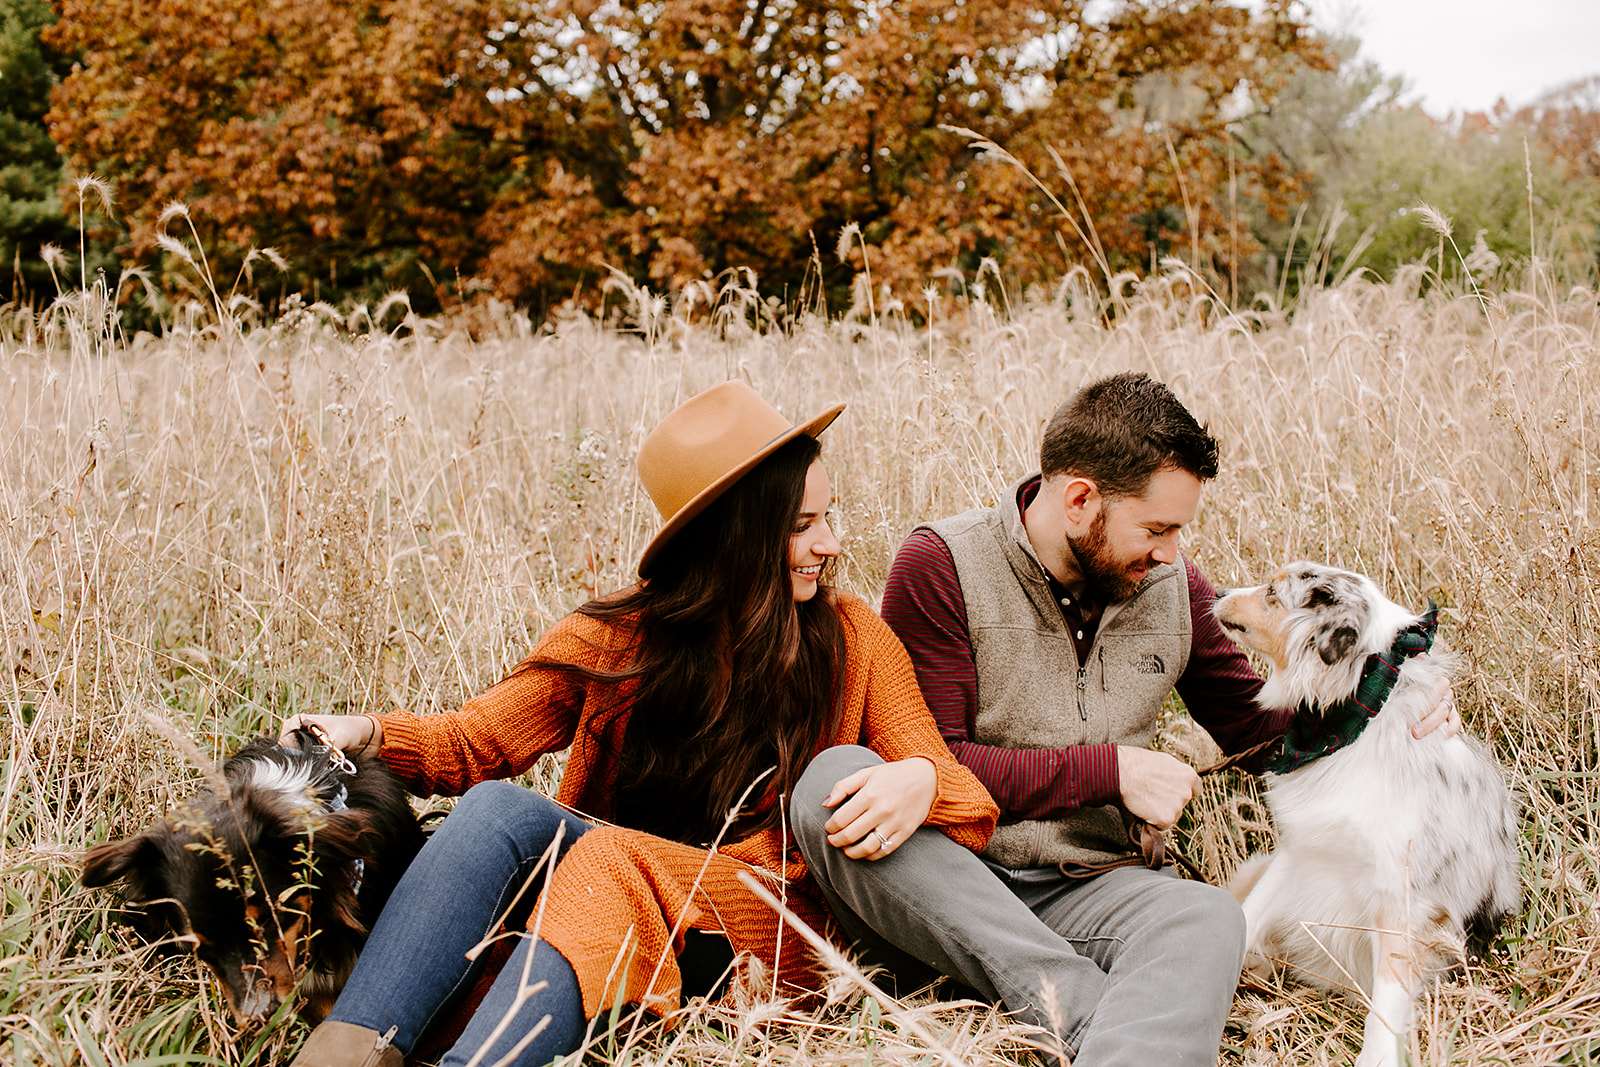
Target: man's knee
1212, 923
806, 813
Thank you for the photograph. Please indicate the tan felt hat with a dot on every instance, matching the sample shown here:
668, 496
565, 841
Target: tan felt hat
706, 444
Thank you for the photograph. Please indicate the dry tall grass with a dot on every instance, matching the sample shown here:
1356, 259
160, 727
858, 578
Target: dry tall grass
203, 533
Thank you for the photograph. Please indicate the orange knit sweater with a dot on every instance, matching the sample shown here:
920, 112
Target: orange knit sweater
619, 894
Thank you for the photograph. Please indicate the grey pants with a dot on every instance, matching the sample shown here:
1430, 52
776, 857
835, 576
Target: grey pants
1142, 965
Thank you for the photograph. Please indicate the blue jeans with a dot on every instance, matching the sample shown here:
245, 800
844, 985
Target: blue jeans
453, 895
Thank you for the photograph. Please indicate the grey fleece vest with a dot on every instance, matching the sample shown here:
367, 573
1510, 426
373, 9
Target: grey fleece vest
1033, 692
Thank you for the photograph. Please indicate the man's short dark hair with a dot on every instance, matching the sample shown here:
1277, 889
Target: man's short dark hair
1119, 431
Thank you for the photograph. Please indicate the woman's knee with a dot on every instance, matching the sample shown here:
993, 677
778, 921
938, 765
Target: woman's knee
505, 812
498, 796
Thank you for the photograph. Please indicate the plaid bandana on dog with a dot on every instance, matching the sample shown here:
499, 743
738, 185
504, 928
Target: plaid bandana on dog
1313, 734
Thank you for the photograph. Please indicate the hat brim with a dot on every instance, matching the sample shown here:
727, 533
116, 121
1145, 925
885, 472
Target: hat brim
706, 496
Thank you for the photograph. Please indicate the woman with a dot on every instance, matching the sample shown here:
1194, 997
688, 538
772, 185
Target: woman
692, 703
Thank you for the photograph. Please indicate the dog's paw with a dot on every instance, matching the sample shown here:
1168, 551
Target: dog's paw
1384, 1052
1382, 1046
1258, 967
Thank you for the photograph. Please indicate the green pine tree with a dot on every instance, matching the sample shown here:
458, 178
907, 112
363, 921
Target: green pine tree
31, 174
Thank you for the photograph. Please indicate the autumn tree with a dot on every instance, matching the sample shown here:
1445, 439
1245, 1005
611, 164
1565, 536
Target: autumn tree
738, 132
526, 146
356, 138
1567, 121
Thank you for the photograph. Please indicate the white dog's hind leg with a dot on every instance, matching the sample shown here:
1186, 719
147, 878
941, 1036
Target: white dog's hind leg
1395, 987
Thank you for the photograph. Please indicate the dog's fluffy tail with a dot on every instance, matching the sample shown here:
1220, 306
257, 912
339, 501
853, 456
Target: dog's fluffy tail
1249, 873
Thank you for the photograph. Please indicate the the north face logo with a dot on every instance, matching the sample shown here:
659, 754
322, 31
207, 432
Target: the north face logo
1149, 663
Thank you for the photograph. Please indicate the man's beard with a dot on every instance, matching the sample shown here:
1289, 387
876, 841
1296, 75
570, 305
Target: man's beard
1105, 579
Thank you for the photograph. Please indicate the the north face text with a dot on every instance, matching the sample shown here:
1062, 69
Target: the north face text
1149, 663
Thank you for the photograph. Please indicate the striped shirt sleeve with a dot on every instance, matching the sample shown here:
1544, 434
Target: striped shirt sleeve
923, 604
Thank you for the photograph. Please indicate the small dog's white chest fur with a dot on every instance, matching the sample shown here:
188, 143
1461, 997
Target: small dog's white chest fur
291, 781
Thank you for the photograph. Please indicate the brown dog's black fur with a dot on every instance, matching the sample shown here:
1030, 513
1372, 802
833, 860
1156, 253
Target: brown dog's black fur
270, 885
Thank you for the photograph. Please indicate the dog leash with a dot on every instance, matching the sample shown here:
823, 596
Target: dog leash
325, 747
1154, 851
342, 766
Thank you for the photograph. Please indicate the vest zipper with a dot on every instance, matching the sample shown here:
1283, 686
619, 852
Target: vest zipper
1083, 683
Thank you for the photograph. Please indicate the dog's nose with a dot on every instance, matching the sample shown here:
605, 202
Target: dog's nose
1223, 592
257, 1002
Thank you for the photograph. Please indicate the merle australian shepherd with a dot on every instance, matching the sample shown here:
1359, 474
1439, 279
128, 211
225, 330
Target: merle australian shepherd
275, 882
1391, 850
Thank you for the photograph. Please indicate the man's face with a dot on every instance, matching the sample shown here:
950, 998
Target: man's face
1130, 535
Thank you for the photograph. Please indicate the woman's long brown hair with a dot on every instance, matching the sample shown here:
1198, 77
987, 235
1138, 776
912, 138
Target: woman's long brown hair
734, 676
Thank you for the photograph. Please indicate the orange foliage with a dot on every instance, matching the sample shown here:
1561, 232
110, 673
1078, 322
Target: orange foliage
332, 130
1567, 122
529, 143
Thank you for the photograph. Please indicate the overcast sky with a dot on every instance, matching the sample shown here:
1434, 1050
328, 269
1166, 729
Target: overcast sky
1464, 54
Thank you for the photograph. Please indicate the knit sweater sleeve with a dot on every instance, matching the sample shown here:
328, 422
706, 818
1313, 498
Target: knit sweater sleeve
502, 731
896, 725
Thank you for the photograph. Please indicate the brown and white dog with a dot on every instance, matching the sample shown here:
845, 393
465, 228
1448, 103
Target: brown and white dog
1392, 851
275, 884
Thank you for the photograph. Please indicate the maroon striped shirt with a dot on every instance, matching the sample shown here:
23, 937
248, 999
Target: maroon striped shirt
923, 604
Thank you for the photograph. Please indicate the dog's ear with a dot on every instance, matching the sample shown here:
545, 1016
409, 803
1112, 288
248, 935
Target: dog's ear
1333, 645
1321, 596
335, 837
1341, 614
342, 842
346, 835
118, 859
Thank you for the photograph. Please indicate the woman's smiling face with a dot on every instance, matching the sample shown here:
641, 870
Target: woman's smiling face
812, 544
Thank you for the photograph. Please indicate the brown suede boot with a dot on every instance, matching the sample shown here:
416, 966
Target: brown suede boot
348, 1045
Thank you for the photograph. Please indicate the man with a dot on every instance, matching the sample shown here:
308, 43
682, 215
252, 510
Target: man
1007, 603
1046, 632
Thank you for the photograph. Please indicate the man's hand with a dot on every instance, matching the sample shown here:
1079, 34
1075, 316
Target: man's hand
1155, 786
886, 804
1444, 715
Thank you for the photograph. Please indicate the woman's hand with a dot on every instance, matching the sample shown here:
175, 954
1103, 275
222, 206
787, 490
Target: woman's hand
1444, 715
886, 803
351, 734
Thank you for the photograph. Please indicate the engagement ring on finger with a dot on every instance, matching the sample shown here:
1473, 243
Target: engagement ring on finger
883, 841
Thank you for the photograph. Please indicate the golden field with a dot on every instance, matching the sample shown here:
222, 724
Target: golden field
204, 532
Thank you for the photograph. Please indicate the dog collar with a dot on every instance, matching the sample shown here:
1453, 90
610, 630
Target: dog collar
340, 768
1315, 732
358, 872
340, 801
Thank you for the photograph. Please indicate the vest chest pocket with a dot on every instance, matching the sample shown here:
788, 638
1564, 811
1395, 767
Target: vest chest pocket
1028, 695
1129, 678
